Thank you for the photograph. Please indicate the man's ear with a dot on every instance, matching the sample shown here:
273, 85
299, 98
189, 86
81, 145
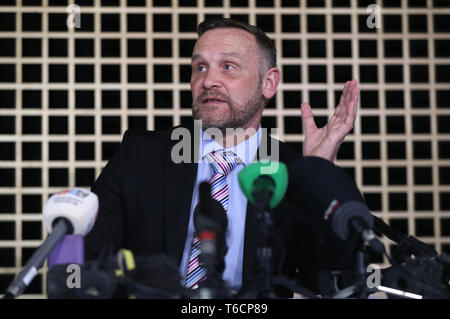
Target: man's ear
270, 83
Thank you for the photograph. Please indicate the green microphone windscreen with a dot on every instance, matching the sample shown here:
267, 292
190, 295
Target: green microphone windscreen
276, 170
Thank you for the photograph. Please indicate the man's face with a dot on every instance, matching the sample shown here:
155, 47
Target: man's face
225, 81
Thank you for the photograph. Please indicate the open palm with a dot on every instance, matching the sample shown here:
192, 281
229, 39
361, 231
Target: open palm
325, 141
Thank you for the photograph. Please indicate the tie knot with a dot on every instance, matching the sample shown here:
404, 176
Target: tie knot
222, 161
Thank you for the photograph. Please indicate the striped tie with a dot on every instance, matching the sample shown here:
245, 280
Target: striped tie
222, 163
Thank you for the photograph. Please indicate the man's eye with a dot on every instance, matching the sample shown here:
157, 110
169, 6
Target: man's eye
201, 68
229, 67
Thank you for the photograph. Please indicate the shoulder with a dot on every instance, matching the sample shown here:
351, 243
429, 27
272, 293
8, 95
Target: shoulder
289, 152
283, 151
133, 138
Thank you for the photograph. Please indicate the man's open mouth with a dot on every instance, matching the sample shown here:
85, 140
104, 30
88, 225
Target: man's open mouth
209, 100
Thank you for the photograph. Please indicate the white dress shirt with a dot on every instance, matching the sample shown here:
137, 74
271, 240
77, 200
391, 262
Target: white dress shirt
237, 206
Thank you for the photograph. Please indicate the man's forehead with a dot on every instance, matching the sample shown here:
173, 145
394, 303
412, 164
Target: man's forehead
231, 40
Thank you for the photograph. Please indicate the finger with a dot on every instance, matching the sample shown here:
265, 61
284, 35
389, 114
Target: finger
341, 108
346, 88
344, 93
354, 94
352, 107
340, 111
307, 117
355, 84
348, 96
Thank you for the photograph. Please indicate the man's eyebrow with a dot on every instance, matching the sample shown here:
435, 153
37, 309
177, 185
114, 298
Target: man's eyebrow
196, 57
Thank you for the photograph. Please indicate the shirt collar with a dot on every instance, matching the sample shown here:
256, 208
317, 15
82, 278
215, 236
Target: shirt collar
245, 150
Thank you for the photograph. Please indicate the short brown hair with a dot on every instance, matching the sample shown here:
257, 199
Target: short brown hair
264, 42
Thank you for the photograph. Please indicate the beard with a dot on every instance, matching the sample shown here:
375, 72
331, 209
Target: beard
234, 115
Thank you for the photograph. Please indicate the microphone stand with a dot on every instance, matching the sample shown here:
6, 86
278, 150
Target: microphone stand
261, 287
264, 250
427, 272
422, 275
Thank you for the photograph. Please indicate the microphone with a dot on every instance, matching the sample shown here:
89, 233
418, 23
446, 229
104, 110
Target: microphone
122, 275
329, 200
71, 211
155, 276
209, 213
211, 222
70, 251
264, 184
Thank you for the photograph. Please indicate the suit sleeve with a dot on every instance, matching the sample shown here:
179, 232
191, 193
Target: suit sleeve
108, 230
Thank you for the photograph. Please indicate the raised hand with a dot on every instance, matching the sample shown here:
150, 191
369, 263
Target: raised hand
324, 142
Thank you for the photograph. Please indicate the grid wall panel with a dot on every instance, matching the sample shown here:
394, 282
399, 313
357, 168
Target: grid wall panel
67, 95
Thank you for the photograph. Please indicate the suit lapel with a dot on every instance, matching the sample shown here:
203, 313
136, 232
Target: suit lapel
179, 189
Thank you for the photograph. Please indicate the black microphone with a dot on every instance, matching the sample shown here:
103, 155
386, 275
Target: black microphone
123, 275
211, 222
328, 200
209, 213
156, 276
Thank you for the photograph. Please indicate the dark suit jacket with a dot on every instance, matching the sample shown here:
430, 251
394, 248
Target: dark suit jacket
145, 200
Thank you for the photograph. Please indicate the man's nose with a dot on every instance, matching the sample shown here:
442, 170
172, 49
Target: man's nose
212, 79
